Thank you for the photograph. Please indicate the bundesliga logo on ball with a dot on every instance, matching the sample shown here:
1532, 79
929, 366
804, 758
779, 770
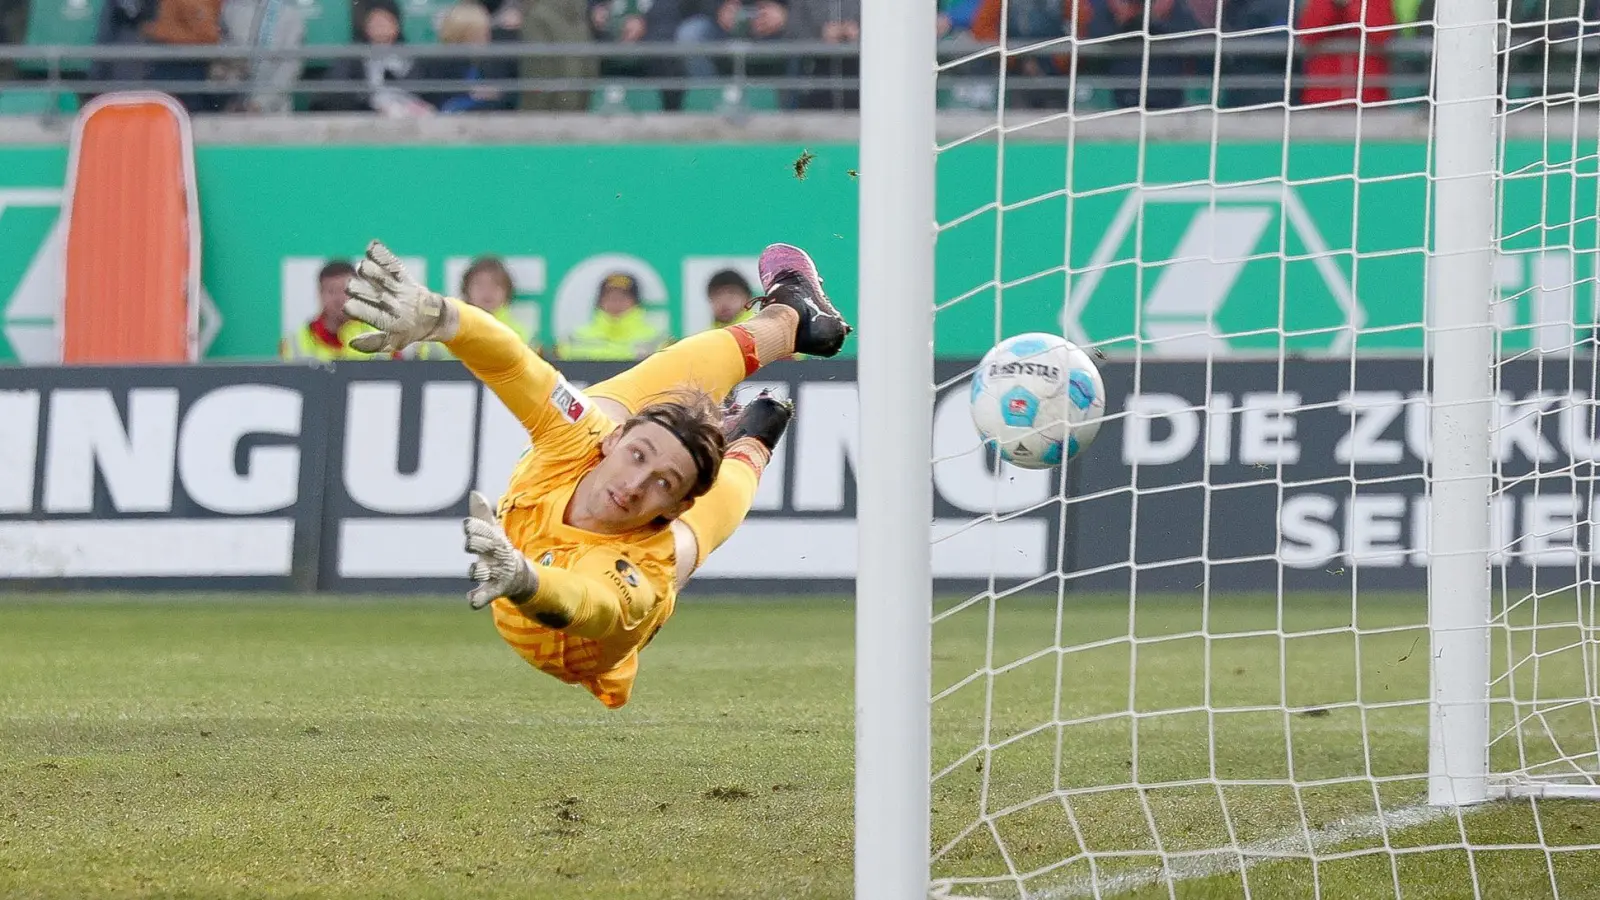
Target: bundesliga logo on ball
1037, 399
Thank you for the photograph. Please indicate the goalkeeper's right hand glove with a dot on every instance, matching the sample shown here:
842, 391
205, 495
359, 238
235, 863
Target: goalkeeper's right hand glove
404, 312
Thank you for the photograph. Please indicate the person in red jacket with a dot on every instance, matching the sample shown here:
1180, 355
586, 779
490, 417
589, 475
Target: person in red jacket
1335, 75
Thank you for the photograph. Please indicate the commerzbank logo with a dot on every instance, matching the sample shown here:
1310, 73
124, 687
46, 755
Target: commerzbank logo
32, 282
1196, 271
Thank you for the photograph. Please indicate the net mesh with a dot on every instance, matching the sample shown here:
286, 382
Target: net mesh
1202, 651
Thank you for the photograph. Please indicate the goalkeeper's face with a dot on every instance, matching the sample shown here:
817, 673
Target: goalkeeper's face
645, 475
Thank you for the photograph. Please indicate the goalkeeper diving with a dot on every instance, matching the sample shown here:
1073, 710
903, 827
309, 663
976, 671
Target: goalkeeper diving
628, 486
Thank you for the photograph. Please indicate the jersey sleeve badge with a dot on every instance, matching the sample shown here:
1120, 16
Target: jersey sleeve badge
569, 401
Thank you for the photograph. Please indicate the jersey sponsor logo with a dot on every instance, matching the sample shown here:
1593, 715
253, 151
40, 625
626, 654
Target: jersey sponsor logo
628, 573
626, 579
568, 401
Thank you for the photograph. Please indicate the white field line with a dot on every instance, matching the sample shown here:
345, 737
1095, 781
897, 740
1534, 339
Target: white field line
1226, 860
1231, 861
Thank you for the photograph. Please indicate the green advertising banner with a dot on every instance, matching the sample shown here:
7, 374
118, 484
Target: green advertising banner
1245, 248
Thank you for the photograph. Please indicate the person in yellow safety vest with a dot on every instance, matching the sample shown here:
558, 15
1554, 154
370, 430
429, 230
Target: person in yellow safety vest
327, 337
729, 296
620, 329
487, 284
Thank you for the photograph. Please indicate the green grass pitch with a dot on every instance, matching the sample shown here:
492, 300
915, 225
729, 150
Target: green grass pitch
237, 746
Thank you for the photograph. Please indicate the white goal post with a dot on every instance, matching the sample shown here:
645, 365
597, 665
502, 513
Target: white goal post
1463, 400
1318, 612
895, 468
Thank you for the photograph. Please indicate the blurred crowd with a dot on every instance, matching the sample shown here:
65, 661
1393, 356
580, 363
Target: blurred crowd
1149, 53
1171, 53
619, 328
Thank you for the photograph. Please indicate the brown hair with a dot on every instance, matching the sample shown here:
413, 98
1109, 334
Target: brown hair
493, 266
335, 268
696, 421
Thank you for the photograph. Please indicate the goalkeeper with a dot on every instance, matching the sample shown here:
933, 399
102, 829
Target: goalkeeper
626, 489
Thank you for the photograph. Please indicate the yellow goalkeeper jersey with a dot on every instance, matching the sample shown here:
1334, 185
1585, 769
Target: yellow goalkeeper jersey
634, 571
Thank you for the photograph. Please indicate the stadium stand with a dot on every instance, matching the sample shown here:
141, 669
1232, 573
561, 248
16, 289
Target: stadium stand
554, 56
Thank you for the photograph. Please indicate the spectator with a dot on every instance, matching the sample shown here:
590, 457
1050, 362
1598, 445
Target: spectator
1032, 22
830, 22
1529, 22
1417, 66
554, 22
506, 19
1338, 76
729, 296
327, 337
122, 22
620, 329
186, 23
631, 22
713, 21
1139, 22
13, 30
1252, 16
377, 24
269, 24
466, 24
1405, 11
1544, 40
955, 18
487, 284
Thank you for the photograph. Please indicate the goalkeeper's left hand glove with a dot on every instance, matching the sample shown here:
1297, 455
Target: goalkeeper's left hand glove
385, 296
501, 569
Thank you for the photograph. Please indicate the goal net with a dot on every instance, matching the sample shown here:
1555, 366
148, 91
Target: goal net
1315, 616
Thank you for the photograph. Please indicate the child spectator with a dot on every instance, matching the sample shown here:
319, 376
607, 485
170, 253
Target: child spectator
467, 24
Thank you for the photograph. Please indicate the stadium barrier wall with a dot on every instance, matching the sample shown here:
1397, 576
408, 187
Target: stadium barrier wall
354, 479
565, 216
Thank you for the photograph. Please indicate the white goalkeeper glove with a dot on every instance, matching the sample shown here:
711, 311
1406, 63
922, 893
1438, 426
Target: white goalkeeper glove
501, 569
385, 296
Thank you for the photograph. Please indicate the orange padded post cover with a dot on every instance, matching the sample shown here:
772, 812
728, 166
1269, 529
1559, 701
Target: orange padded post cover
132, 233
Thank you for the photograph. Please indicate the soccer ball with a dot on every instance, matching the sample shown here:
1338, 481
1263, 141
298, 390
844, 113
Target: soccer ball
1037, 398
